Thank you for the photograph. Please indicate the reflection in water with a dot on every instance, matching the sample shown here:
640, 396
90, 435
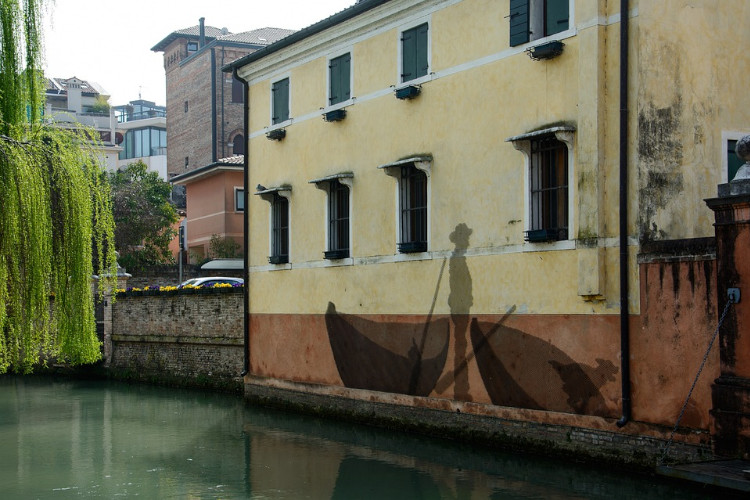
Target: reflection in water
103, 440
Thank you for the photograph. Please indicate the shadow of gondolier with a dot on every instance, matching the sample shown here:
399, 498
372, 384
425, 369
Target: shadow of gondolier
460, 300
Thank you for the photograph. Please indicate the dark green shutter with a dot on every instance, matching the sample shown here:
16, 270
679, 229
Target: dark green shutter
408, 55
280, 97
557, 16
519, 22
414, 45
339, 76
346, 65
421, 47
334, 69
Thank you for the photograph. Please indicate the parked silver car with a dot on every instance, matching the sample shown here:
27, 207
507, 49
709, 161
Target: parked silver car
212, 280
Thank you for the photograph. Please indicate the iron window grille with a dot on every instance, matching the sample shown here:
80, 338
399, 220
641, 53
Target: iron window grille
413, 208
338, 221
548, 190
279, 230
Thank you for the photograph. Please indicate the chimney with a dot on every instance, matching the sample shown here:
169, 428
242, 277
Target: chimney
202, 22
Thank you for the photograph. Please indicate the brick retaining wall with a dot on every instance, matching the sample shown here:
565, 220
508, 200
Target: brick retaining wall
194, 339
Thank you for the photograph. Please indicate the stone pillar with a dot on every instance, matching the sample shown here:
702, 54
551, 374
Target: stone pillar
122, 282
731, 391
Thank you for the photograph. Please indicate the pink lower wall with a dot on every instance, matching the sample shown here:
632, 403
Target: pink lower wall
557, 363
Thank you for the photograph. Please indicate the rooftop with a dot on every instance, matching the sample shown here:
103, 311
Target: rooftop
60, 86
261, 36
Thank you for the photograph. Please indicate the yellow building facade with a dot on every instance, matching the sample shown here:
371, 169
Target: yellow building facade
434, 220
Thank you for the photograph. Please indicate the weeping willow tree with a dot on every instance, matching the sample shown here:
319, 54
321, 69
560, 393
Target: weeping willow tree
55, 213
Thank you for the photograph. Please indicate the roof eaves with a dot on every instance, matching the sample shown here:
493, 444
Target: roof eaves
207, 170
309, 31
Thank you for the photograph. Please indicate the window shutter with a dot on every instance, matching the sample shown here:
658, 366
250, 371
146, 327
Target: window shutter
280, 97
408, 56
519, 22
275, 103
421, 50
557, 17
345, 85
285, 99
335, 76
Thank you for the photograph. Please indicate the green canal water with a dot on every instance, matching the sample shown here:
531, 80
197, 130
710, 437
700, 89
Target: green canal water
75, 439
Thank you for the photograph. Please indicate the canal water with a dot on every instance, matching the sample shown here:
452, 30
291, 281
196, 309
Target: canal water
84, 439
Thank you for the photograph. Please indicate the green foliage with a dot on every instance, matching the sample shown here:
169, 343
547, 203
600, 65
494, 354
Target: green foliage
144, 216
223, 247
54, 209
101, 106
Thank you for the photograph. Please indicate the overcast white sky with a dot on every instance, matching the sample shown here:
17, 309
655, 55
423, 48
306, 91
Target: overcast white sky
110, 43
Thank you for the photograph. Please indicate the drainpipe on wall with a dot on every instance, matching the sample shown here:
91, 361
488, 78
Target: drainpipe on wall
624, 268
214, 137
245, 226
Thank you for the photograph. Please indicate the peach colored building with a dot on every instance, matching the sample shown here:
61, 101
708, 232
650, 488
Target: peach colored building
215, 204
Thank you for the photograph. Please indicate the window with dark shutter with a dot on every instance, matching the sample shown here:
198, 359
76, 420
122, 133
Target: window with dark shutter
238, 94
280, 101
340, 79
238, 144
556, 16
534, 19
519, 22
414, 60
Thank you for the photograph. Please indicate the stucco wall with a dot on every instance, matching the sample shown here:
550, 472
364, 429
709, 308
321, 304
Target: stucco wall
697, 48
495, 320
211, 209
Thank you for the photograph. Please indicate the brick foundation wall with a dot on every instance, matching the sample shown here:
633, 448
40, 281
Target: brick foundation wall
194, 340
514, 430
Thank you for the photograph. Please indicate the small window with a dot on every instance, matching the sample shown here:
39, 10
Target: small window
548, 177
413, 210
338, 221
280, 101
535, 19
186, 106
239, 200
187, 161
339, 71
414, 57
238, 145
238, 91
279, 230
192, 47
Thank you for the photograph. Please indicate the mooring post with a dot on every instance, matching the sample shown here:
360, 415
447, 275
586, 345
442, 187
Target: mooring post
731, 391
